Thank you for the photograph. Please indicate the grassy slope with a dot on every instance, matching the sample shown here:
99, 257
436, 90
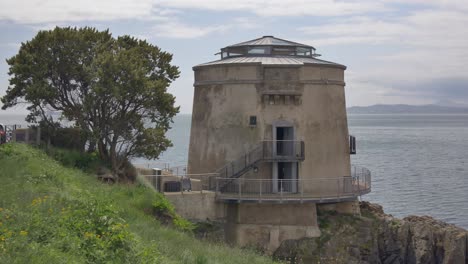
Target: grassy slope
54, 214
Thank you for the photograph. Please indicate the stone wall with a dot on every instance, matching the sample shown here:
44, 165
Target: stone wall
197, 206
265, 226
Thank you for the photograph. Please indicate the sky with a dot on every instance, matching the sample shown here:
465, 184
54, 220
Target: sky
397, 52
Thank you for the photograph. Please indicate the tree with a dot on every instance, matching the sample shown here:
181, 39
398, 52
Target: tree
114, 89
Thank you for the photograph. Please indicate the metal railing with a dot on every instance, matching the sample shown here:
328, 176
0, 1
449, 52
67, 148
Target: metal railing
268, 150
163, 166
283, 150
268, 190
181, 183
316, 190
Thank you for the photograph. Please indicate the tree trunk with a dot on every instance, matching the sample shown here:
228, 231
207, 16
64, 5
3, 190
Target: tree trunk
92, 145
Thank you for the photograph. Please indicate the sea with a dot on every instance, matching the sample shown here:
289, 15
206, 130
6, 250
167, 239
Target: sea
419, 162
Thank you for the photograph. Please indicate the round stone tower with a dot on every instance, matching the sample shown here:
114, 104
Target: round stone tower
269, 118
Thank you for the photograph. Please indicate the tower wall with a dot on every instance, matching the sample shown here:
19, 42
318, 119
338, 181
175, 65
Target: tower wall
311, 97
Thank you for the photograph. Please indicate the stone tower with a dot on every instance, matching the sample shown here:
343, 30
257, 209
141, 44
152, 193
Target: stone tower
269, 118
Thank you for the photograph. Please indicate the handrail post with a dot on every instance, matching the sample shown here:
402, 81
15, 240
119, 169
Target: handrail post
338, 181
181, 187
302, 149
263, 149
239, 187
359, 185
202, 180
281, 190
301, 186
260, 190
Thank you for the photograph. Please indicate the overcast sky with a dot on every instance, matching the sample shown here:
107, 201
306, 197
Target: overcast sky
402, 51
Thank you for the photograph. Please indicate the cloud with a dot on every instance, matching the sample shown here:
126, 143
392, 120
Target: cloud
417, 53
431, 29
176, 29
281, 7
51, 11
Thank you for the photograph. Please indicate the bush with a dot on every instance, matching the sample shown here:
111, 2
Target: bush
165, 212
6, 149
64, 137
75, 159
90, 229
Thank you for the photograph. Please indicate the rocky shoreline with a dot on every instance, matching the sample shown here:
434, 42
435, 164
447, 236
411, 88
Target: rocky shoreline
376, 237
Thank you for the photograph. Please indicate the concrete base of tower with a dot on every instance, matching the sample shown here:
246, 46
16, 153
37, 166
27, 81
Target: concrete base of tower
351, 207
265, 226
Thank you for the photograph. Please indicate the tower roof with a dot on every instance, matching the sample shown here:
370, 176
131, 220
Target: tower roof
269, 50
269, 41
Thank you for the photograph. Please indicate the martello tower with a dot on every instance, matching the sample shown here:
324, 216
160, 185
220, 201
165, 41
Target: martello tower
269, 118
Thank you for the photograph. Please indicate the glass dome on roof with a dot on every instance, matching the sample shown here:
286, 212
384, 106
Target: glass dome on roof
268, 46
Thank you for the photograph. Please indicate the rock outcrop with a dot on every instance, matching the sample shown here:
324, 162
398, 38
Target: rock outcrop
375, 237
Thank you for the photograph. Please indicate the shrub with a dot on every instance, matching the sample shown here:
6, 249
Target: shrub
74, 158
6, 149
87, 228
64, 137
165, 212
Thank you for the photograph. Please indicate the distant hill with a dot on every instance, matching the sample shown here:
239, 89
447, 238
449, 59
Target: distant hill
406, 109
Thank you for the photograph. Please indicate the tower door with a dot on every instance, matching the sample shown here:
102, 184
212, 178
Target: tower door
284, 171
287, 177
284, 141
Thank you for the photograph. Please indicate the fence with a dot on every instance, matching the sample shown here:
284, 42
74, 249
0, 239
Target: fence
310, 189
181, 183
276, 190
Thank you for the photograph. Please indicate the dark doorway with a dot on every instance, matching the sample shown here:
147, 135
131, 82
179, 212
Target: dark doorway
284, 141
287, 178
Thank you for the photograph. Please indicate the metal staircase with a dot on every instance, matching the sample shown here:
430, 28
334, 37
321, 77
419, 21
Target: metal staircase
265, 151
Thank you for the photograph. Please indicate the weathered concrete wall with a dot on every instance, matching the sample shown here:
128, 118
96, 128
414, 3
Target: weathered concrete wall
266, 225
220, 122
351, 208
311, 98
197, 206
223, 74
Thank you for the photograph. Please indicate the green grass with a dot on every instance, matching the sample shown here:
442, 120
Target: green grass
51, 213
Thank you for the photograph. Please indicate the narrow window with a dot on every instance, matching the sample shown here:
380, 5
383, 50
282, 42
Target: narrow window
352, 144
253, 121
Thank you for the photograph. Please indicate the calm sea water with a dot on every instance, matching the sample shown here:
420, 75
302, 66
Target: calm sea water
419, 163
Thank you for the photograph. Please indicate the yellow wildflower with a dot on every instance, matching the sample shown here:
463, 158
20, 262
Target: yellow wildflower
1, 209
23, 233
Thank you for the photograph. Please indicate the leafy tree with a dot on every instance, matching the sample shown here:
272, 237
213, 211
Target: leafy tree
114, 89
